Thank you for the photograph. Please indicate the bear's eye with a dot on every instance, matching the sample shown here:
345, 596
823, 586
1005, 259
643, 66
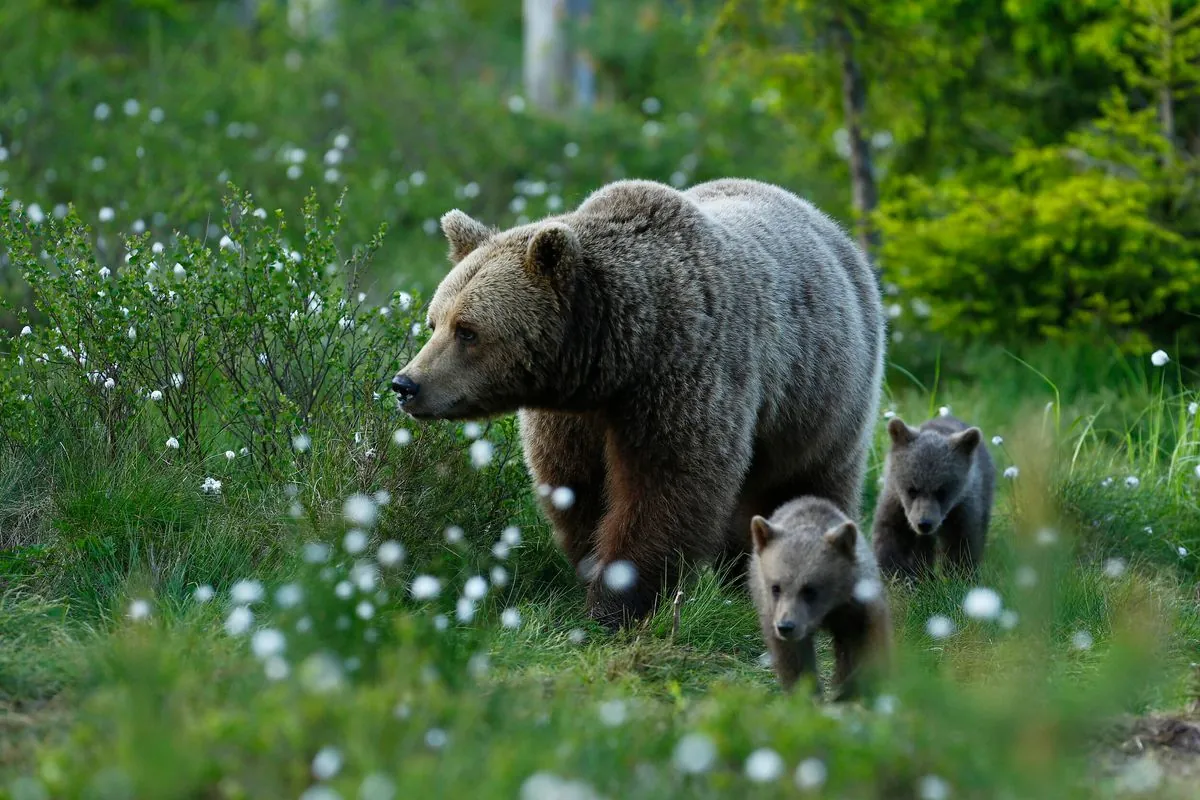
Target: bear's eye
775, 590
465, 334
912, 492
808, 594
940, 495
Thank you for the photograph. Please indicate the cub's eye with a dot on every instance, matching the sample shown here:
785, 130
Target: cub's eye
775, 590
465, 334
808, 594
912, 492
940, 495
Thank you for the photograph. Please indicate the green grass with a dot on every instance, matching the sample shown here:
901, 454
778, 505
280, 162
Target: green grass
98, 704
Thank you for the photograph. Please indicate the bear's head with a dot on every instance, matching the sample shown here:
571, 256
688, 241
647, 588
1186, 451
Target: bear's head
929, 471
497, 321
807, 569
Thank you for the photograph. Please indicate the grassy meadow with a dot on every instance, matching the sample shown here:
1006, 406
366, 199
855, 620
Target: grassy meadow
230, 567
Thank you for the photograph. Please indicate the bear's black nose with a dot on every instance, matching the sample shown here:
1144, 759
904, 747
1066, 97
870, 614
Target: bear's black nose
405, 387
785, 627
925, 526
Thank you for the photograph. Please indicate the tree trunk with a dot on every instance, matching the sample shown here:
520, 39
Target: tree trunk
545, 52
854, 103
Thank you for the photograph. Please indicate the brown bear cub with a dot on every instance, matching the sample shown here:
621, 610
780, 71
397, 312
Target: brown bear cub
937, 496
812, 570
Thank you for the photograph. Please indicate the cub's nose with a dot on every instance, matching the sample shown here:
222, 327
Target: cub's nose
925, 526
405, 387
785, 628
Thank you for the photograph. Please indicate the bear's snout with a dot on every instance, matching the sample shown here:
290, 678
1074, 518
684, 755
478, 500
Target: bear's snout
405, 387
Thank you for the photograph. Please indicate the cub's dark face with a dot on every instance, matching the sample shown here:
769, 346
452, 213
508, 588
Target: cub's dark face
496, 320
929, 471
804, 575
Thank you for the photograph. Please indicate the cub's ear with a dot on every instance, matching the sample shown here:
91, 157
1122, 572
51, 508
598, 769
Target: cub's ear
843, 537
900, 432
966, 441
761, 532
552, 249
463, 233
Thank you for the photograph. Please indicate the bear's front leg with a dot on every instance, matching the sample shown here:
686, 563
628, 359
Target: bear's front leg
660, 518
567, 450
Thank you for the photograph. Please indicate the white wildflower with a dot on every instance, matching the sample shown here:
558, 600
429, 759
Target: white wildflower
997, 440
499, 576
1114, 567
106, 214
1011, 473
764, 765
811, 774
326, 763
562, 498
360, 509
364, 610
1081, 640
390, 553
481, 453
939, 626
1193, 408
694, 754
511, 536
982, 603
177, 380
454, 534
245, 592
1133, 482
156, 395
26, 331
620, 576
402, 436
267, 642
931, 787
239, 621
866, 590
612, 713
510, 618
475, 587
1159, 358
425, 587
139, 609
355, 541
173, 443
944, 411
211, 486
301, 442
288, 596
203, 593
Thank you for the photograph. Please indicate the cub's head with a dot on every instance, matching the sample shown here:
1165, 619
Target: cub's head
928, 471
497, 321
805, 572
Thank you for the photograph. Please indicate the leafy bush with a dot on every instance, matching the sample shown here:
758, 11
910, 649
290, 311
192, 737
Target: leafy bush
1075, 248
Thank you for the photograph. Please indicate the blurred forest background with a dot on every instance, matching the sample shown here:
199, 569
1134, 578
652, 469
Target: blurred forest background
1021, 170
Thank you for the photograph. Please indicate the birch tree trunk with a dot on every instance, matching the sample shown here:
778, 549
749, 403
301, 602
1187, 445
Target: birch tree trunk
545, 52
854, 103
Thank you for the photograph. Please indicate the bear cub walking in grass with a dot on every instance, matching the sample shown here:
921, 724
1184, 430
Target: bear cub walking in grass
937, 495
812, 570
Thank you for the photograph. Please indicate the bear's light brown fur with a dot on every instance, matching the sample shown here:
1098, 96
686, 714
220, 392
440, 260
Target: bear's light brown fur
681, 361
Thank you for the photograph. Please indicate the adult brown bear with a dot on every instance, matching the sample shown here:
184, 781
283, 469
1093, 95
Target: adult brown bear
682, 361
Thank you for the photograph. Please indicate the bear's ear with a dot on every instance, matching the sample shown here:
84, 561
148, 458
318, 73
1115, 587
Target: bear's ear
761, 532
463, 233
843, 537
900, 432
552, 248
966, 441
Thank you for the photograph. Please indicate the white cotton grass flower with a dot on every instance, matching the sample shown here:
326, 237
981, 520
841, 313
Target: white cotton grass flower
1133, 482
230, 455
377, 786
1114, 568
425, 587
301, 442
510, 618
344, 590
364, 610
316, 552
203, 593
939, 626
562, 498
132, 333
464, 610
26, 331
1026, 576
1011, 473
402, 436
982, 603
211, 486
239, 621
472, 430
360, 509
288, 595
172, 443
931, 787
327, 763
390, 553
1193, 408
613, 713
105, 272
811, 774
179, 271
1181, 551
454, 534
139, 610
620, 576
944, 411
246, 592
1159, 358
110, 384
694, 754
1082, 640
577, 636
997, 440
475, 588
106, 214
267, 643
481, 452
499, 576
156, 395
1008, 619
511, 536
764, 765
1197, 471
867, 590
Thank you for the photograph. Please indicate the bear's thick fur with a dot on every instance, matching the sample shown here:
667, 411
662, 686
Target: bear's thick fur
937, 497
812, 571
682, 361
